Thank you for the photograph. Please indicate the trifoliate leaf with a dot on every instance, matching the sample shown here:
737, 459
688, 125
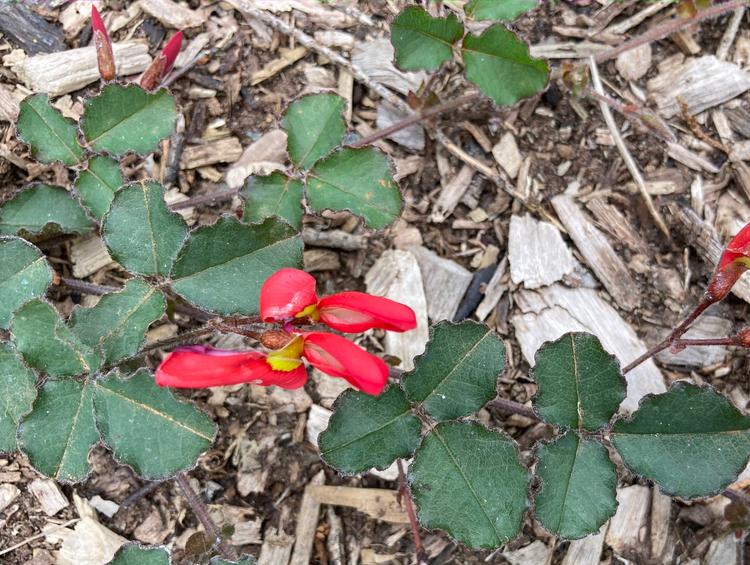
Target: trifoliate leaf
149, 429
60, 431
273, 195
360, 180
457, 374
17, 393
97, 184
691, 441
51, 136
580, 384
141, 233
468, 481
369, 431
40, 205
315, 126
222, 267
422, 42
578, 482
24, 274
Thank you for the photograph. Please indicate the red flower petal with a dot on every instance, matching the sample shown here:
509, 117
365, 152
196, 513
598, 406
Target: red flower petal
737, 248
285, 294
339, 357
105, 58
356, 312
200, 366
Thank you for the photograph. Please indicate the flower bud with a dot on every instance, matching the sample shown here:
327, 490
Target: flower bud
105, 57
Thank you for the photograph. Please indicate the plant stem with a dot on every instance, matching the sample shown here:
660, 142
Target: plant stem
676, 24
405, 493
205, 199
201, 512
704, 342
166, 342
87, 287
513, 407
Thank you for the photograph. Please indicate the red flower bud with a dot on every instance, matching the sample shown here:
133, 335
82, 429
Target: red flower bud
163, 63
104, 55
743, 337
734, 261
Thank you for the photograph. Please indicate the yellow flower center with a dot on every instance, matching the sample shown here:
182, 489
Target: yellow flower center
289, 357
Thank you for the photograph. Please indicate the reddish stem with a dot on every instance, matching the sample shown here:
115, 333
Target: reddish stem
405, 494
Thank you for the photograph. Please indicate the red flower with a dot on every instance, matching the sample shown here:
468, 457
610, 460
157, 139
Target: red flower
290, 293
200, 366
105, 58
163, 63
734, 261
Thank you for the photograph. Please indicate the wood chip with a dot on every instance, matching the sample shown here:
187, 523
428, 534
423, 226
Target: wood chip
8, 493
700, 357
226, 150
627, 528
317, 260
411, 137
276, 549
381, 504
396, 275
701, 83
88, 543
76, 16
598, 252
537, 253
634, 63
586, 551
317, 421
507, 155
261, 157
49, 495
89, 255
451, 194
71, 70
9, 105
173, 14
307, 521
444, 281
493, 292
335, 239
662, 547
550, 312
722, 551
28, 30
536, 553
153, 530
375, 59
288, 57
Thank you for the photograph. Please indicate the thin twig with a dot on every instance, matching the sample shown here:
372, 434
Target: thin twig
623, 149
201, 512
145, 490
506, 405
88, 288
722, 52
675, 24
405, 495
38, 536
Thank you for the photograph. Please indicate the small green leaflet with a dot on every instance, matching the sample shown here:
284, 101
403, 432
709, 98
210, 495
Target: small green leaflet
24, 274
458, 372
580, 385
47, 344
60, 431
691, 441
422, 42
578, 482
273, 195
149, 429
315, 126
97, 184
134, 554
40, 205
468, 481
140, 231
17, 393
117, 325
359, 180
497, 9
369, 431
51, 136
222, 267
500, 65
127, 118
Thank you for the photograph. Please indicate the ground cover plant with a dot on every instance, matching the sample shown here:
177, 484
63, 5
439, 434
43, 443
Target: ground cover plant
70, 383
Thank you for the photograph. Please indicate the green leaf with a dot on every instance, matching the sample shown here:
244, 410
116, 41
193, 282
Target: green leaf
147, 428
500, 65
127, 118
51, 136
244, 560
60, 431
497, 9
315, 126
140, 231
468, 481
40, 205
47, 344
17, 394
134, 554
457, 374
580, 385
24, 274
691, 441
222, 267
369, 431
578, 483
98, 183
422, 42
360, 180
273, 195
117, 325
